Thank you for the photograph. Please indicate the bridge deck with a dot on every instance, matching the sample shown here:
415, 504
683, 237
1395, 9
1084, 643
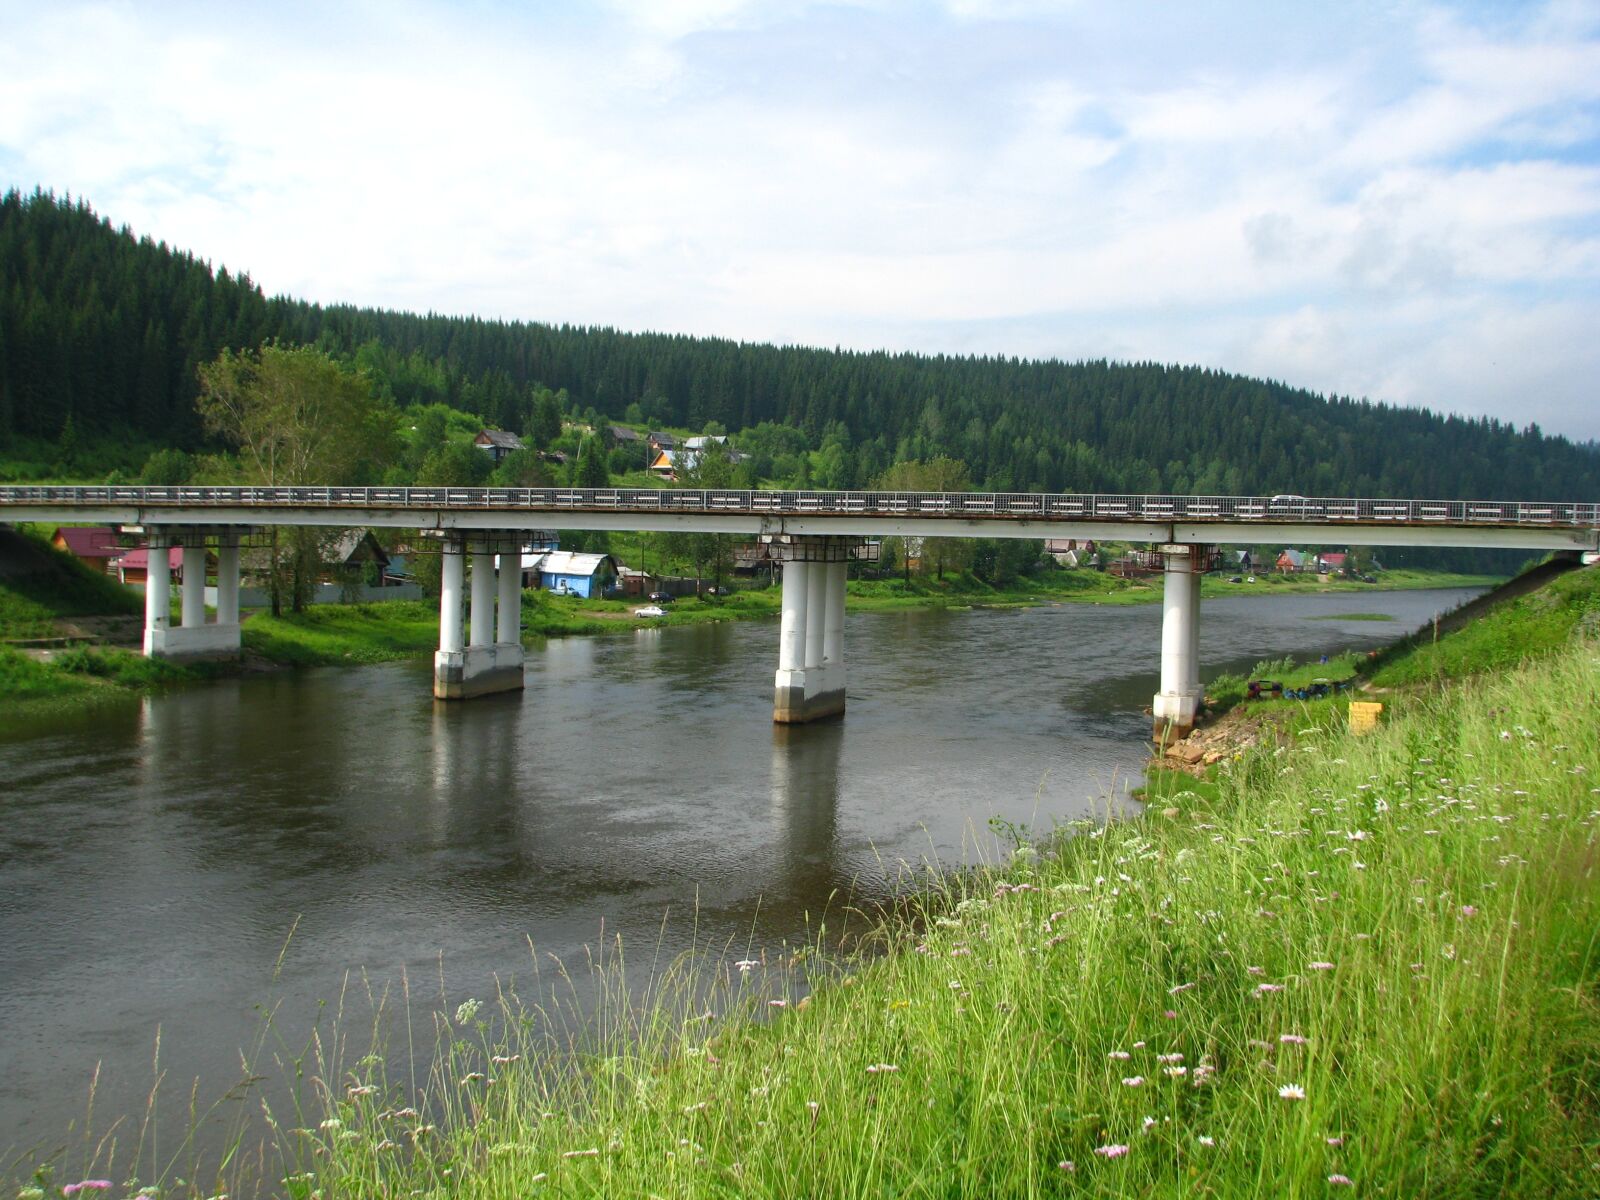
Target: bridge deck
1521, 524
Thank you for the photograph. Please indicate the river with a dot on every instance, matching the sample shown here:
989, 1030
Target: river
155, 859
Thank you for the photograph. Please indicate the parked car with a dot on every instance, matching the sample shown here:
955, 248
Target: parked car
660, 597
718, 591
1236, 579
650, 610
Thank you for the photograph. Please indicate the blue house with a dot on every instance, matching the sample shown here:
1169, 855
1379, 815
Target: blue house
562, 571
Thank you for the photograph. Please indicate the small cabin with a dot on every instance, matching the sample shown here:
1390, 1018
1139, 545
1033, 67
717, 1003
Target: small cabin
497, 443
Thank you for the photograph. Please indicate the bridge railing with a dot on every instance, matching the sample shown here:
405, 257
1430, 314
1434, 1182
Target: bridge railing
954, 505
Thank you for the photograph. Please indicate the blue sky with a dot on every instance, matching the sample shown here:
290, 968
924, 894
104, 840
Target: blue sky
1392, 200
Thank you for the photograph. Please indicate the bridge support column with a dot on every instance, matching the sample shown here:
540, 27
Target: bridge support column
810, 683
195, 637
1177, 704
490, 658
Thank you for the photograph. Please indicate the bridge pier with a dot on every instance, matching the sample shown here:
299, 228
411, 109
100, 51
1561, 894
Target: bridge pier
810, 682
194, 637
1177, 704
489, 658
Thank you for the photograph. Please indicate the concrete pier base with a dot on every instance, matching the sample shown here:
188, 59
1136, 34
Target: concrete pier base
491, 659
477, 671
194, 638
809, 694
810, 684
212, 642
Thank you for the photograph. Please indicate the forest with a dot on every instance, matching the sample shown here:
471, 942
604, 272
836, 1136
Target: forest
103, 334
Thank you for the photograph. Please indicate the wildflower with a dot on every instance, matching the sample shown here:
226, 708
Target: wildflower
1292, 1039
1468, 910
694, 1108
1256, 970
1067, 1165
1176, 1072
881, 1068
1292, 1091
1120, 1055
365, 1089
501, 1060
472, 1077
1340, 1180
744, 964
1334, 1141
467, 1010
1321, 966
330, 1124
1170, 1015
1182, 987
1165, 1059
777, 1004
1266, 988
592, 1152
1149, 1124
98, 1185
1206, 1140
1133, 1081
1115, 1151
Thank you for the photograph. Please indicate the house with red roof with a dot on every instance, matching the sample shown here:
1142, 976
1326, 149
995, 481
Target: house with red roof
134, 565
95, 545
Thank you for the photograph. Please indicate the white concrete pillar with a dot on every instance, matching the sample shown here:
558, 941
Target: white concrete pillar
157, 590
1193, 681
816, 612
833, 619
228, 580
1178, 701
451, 579
792, 632
509, 614
194, 584
481, 618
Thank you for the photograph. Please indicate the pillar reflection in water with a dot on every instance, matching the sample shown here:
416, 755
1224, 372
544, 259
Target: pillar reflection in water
804, 790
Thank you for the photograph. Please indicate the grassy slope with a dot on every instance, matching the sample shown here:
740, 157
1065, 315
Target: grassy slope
1444, 867
39, 583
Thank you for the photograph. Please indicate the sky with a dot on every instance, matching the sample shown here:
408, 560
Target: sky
1398, 201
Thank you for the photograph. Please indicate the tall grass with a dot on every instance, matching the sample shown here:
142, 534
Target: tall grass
1365, 960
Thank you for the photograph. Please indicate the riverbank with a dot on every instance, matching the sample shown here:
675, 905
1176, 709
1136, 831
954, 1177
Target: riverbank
1343, 962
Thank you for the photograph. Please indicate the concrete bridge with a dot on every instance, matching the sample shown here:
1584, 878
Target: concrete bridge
480, 649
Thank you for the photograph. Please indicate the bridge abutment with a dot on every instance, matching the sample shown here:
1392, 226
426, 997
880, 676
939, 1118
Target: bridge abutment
810, 682
488, 656
1177, 704
194, 637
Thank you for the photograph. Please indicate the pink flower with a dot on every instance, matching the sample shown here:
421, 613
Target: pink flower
1133, 1081
1341, 1181
1321, 966
1292, 1039
1468, 910
1334, 1141
98, 1185
1265, 988
1111, 1151
1067, 1165
1120, 1055
881, 1069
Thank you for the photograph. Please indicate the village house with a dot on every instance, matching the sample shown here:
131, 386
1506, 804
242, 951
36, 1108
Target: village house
565, 571
95, 546
497, 443
1290, 562
1332, 564
658, 442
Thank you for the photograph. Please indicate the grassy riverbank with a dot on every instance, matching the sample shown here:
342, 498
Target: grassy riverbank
1364, 963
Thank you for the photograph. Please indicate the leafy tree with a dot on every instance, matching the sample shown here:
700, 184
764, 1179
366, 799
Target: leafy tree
167, 468
939, 474
455, 464
296, 417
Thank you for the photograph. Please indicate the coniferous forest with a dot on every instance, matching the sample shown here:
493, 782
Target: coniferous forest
102, 331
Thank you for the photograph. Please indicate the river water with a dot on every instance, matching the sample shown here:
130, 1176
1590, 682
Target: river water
155, 860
